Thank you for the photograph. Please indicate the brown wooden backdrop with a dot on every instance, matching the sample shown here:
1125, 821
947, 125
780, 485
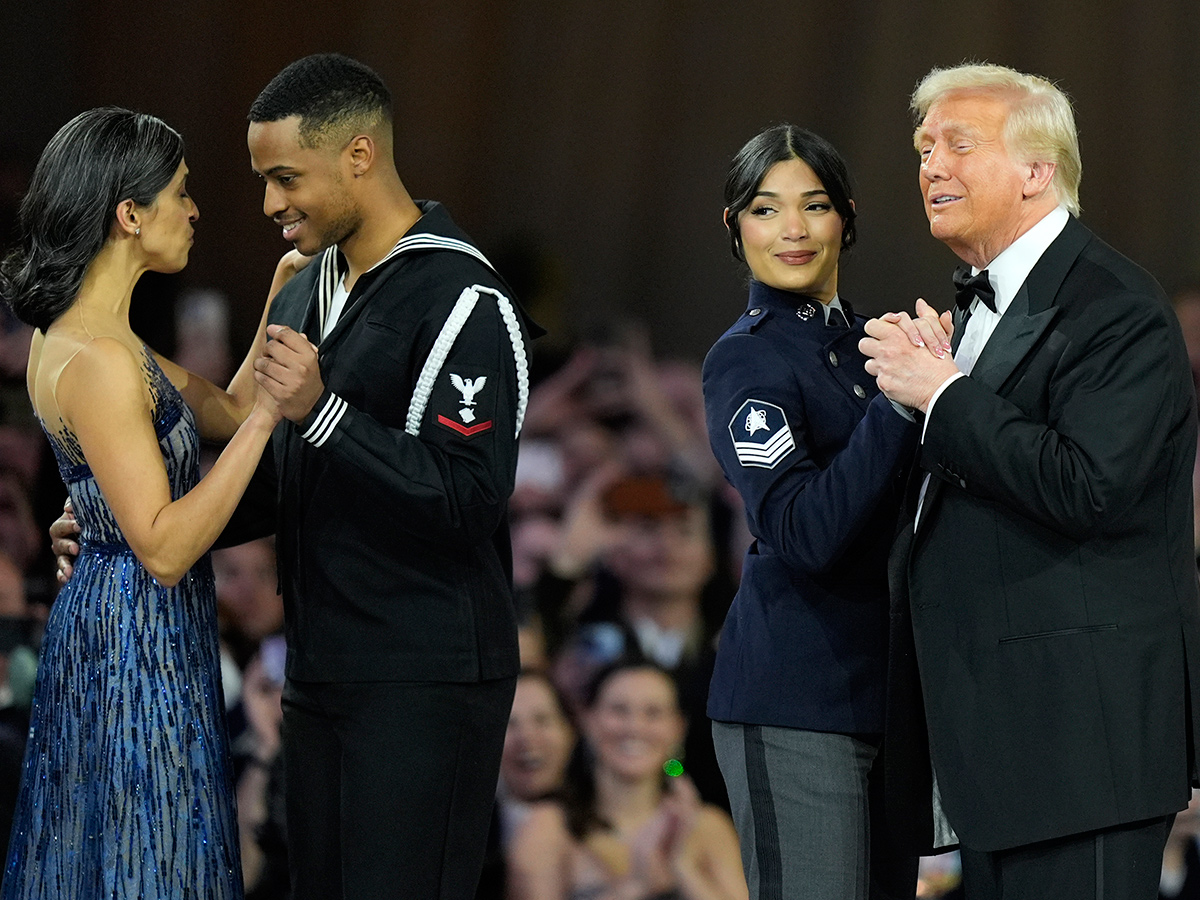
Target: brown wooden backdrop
587, 142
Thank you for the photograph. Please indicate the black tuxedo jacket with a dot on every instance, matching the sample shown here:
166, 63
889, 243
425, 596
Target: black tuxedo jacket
1051, 583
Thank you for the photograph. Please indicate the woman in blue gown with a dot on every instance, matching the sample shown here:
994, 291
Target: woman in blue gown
126, 788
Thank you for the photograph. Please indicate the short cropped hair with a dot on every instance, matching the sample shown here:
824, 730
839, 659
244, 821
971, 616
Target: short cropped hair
1040, 127
95, 162
335, 97
780, 143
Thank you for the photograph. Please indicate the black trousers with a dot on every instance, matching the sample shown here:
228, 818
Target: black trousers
1118, 863
390, 786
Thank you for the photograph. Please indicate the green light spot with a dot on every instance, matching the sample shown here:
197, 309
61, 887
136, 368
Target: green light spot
673, 767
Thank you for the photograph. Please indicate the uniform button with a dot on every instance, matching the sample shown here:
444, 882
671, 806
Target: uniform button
754, 312
860, 392
833, 358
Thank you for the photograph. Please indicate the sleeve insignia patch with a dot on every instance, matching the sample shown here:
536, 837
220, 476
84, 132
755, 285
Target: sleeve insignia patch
465, 430
761, 435
467, 388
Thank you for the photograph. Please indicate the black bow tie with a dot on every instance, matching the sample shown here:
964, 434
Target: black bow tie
967, 287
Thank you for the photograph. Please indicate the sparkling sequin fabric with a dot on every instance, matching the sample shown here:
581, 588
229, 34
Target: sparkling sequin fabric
126, 790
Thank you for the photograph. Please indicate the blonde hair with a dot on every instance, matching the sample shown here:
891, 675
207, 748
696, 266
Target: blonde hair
1040, 126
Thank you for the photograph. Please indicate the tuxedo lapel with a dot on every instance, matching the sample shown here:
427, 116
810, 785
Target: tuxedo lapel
1032, 309
1015, 334
960, 324
927, 505
1051, 270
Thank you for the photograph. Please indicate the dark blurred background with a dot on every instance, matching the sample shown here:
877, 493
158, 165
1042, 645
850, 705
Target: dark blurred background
584, 145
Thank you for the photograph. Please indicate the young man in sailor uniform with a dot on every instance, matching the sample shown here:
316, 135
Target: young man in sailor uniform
399, 358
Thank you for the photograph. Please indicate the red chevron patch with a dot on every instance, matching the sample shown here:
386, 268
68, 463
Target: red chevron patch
464, 430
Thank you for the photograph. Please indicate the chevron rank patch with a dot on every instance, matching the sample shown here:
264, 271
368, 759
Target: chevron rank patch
761, 435
468, 417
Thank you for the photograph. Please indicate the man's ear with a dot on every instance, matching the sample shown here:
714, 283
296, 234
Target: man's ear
361, 151
1038, 180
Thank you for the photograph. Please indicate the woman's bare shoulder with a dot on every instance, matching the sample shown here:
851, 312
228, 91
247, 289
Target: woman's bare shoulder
102, 370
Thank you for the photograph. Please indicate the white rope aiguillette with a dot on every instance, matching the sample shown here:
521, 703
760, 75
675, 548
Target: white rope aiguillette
445, 340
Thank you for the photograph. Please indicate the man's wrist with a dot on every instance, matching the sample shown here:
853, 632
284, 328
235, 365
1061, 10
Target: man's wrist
323, 418
933, 398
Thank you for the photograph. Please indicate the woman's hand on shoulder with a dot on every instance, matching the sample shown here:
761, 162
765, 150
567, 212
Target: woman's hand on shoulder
293, 261
289, 264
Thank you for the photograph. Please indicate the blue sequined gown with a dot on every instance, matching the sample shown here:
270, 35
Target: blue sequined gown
126, 790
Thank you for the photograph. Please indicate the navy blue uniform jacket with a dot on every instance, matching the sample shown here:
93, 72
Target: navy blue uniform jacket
818, 455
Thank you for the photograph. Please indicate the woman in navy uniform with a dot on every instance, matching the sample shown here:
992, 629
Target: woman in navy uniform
818, 456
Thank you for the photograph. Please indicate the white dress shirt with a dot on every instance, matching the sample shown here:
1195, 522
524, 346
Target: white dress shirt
1006, 273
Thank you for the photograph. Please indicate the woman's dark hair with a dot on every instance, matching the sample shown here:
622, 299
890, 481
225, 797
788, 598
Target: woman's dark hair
96, 161
579, 796
560, 699
776, 144
633, 662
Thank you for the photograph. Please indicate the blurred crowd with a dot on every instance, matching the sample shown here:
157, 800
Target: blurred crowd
627, 545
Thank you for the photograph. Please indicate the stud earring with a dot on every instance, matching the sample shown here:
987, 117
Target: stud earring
137, 232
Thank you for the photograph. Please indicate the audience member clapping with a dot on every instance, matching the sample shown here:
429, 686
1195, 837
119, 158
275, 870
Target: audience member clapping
538, 746
628, 829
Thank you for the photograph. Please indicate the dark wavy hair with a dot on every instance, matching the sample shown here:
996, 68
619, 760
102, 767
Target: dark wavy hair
331, 93
579, 795
96, 161
780, 143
